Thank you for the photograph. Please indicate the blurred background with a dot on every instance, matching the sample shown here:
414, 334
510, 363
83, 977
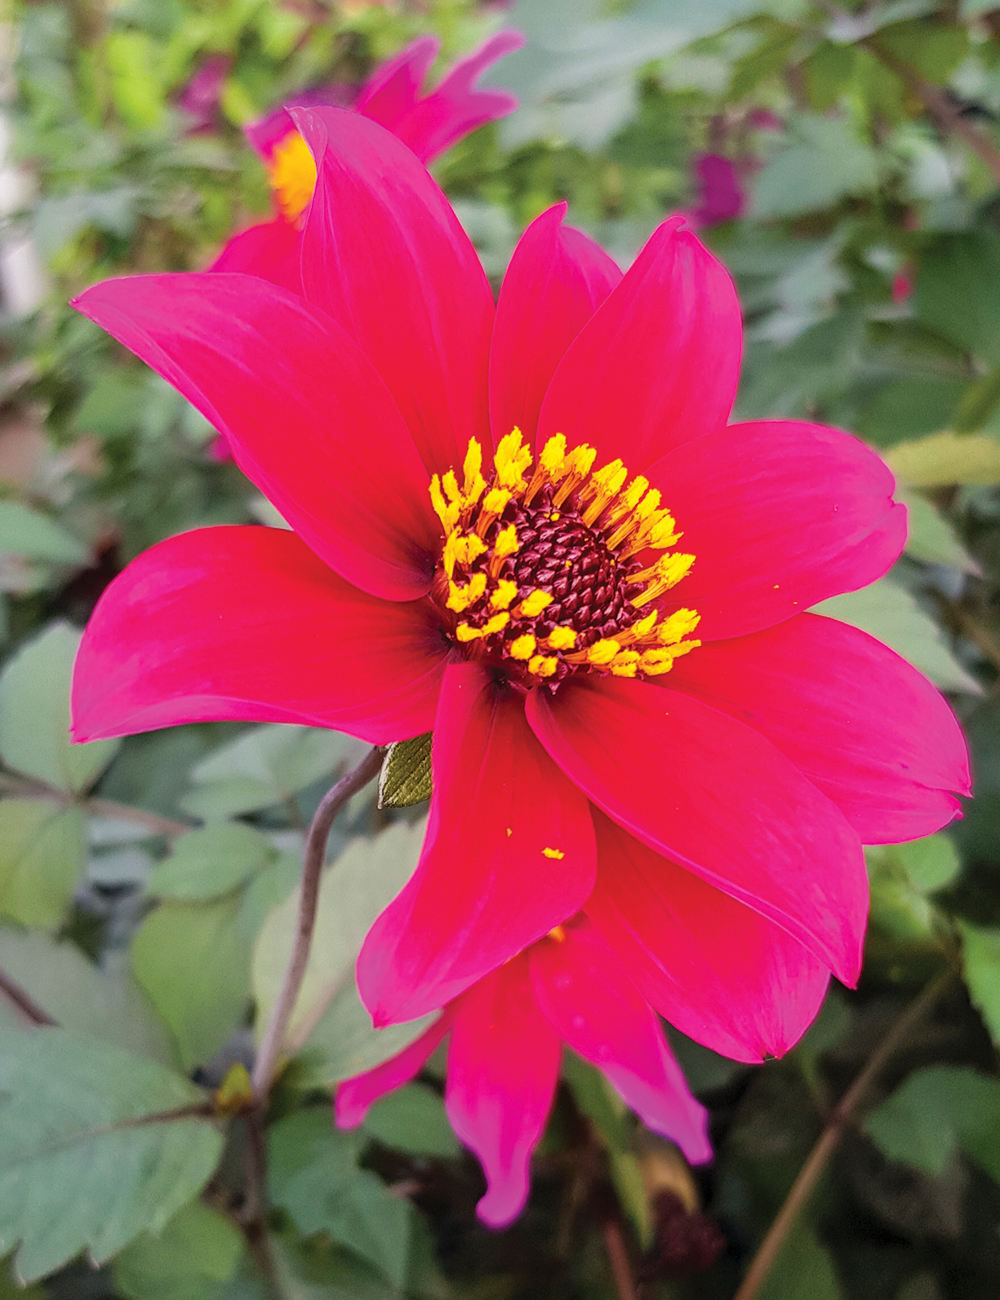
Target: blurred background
843, 160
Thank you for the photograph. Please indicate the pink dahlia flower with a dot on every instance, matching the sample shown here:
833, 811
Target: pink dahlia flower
429, 123
506, 1036
530, 529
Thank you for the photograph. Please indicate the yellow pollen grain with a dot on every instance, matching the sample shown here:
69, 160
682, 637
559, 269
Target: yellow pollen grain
554, 853
534, 603
554, 518
543, 666
523, 647
562, 638
510, 832
506, 591
460, 598
558, 933
293, 175
602, 652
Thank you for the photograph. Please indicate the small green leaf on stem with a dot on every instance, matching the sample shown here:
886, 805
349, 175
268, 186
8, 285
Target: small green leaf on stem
405, 778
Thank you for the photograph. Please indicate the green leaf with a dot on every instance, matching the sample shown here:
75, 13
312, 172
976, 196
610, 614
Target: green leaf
413, 1119
978, 403
83, 1161
956, 291
135, 83
936, 1112
825, 163
211, 861
314, 1178
885, 611
105, 1004
803, 1268
24, 531
929, 863
264, 767
405, 778
901, 875
930, 537
943, 459
196, 1252
34, 714
981, 971
43, 849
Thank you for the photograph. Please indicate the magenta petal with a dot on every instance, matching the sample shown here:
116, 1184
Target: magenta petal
485, 887
714, 795
556, 280
597, 1010
246, 624
384, 254
271, 250
390, 94
658, 363
721, 973
779, 515
503, 1065
867, 728
306, 416
355, 1097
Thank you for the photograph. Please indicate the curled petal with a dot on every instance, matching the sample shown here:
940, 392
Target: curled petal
355, 1097
246, 624
271, 250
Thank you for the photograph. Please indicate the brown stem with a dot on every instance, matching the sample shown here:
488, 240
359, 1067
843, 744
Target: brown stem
947, 117
23, 1001
17, 787
830, 1138
265, 1066
621, 1269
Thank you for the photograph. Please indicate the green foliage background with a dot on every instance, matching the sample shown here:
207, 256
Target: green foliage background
147, 887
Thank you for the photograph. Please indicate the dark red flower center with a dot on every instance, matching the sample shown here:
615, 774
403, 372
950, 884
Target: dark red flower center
556, 571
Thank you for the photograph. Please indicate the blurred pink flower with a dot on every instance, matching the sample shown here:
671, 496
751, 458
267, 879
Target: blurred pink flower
721, 196
506, 1037
199, 97
902, 285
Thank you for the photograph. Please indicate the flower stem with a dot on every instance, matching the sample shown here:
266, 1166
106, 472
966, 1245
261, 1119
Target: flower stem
841, 1117
23, 1001
621, 1270
265, 1066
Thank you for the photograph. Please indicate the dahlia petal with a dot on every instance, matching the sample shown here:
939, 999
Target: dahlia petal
780, 515
873, 733
503, 1066
485, 886
390, 94
717, 970
246, 624
456, 106
355, 1097
306, 416
595, 1008
714, 795
556, 280
658, 363
377, 219
270, 249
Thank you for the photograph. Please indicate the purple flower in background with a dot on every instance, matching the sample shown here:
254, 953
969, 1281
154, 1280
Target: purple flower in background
721, 196
199, 97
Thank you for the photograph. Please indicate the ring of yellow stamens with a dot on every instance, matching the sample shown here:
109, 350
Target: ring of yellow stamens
553, 570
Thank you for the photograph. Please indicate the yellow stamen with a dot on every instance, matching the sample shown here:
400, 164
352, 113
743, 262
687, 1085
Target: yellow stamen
577, 466
534, 603
562, 638
674, 567
511, 460
522, 647
506, 543
602, 652
496, 624
460, 598
677, 626
543, 666
474, 484
448, 514
293, 175
506, 591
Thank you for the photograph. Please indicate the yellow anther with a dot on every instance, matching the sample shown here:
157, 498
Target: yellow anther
506, 543
552, 458
625, 504
649, 504
496, 501
534, 603
450, 485
505, 592
460, 598
523, 647
576, 467
625, 657
562, 638
670, 570
496, 624
461, 550
511, 460
293, 175
474, 483
604, 484
448, 514
663, 533
624, 670
465, 632
555, 853
543, 666
602, 652
677, 626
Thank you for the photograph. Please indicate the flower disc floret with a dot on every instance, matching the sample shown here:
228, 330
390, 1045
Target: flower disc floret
553, 570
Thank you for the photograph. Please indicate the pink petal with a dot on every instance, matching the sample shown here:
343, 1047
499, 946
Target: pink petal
867, 728
390, 94
384, 254
658, 363
719, 799
355, 1097
719, 972
503, 1065
270, 250
455, 107
780, 515
246, 624
485, 888
556, 280
597, 1010
305, 414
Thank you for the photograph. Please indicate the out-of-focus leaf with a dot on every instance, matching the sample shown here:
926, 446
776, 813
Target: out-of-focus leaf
43, 848
104, 1004
211, 861
315, 1178
406, 778
196, 1252
825, 163
981, 970
901, 876
413, 1119
135, 84
946, 458
82, 1162
34, 714
934, 50
930, 537
955, 291
24, 531
886, 611
978, 403
60, 218
803, 1268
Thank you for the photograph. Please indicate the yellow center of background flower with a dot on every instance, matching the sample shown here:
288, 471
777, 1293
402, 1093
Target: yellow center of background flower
553, 570
293, 175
